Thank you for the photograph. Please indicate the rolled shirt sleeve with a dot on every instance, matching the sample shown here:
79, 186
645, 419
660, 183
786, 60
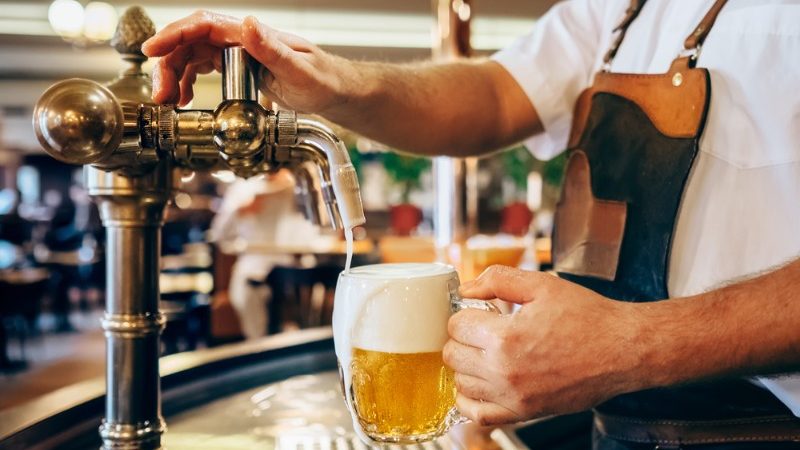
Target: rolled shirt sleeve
554, 63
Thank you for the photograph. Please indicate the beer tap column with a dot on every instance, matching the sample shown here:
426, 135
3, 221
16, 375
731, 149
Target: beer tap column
132, 201
132, 210
82, 122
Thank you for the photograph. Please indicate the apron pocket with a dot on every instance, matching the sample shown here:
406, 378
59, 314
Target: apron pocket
589, 230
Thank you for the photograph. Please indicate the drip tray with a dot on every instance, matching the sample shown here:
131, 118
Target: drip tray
300, 413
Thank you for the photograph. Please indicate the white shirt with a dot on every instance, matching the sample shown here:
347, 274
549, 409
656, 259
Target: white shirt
740, 213
275, 221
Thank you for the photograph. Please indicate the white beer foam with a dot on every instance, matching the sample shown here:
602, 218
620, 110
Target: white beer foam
401, 271
397, 308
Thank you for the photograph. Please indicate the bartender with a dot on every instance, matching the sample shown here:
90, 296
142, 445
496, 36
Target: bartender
676, 238
257, 211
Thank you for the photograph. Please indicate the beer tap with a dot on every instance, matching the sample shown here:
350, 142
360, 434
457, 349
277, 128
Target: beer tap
131, 149
81, 122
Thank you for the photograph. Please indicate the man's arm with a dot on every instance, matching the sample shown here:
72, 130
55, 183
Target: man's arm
568, 348
748, 328
460, 108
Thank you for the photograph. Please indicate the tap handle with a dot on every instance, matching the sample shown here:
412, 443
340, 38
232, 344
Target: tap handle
239, 71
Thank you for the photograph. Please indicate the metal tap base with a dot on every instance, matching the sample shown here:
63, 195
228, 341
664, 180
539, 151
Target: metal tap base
132, 210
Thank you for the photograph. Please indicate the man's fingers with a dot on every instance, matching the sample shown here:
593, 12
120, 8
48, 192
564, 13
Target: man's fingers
475, 387
165, 86
264, 44
507, 283
167, 74
169, 70
187, 85
215, 29
189, 77
464, 359
474, 327
295, 42
484, 412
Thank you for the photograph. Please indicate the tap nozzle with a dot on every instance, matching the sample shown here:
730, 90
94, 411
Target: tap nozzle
310, 195
343, 177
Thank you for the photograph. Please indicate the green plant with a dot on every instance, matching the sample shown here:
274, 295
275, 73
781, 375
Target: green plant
405, 170
553, 170
518, 163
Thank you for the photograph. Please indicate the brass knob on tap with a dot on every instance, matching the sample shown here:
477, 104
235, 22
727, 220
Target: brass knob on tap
78, 122
240, 134
242, 127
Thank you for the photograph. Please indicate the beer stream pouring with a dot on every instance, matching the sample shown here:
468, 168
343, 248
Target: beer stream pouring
131, 149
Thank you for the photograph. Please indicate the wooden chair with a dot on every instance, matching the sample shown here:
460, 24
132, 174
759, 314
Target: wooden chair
301, 296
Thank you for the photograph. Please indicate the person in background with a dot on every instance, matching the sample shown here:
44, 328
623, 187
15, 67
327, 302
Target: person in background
258, 211
721, 255
63, 242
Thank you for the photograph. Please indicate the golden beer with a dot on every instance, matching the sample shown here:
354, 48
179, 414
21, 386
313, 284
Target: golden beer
402, 394
390, 326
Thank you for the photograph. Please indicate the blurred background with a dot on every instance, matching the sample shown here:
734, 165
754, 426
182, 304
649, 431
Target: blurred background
239, 258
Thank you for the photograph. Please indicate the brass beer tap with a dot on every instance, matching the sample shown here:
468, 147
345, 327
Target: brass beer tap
81, 122
130, 149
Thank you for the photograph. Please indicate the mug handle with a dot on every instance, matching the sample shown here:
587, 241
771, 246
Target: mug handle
457, 303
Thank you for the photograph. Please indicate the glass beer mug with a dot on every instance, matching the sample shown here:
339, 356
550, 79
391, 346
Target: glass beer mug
390, 325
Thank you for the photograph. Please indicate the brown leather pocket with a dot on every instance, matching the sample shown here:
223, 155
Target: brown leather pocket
588, 231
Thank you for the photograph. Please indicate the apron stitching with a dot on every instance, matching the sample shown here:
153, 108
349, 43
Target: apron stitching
770, 438
705, 422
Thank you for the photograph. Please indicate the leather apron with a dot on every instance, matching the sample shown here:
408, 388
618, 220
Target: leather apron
633, 141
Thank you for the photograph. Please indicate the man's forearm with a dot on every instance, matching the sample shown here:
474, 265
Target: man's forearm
748, 328
460, 109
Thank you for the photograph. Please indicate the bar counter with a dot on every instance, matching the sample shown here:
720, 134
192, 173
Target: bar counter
279, 392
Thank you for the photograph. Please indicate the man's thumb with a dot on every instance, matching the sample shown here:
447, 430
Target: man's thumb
506, 283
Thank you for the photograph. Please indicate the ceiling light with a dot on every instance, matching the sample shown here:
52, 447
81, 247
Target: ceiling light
66, 17
99, 21
78, 25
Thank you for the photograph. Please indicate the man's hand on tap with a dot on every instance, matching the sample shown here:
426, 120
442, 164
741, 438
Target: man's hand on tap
300, 76
459, 108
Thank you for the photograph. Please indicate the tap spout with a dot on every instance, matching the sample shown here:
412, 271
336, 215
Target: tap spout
310, 198
308, 152
312, 134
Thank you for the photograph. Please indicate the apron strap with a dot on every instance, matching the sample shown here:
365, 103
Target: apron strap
622, 28
694, 41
